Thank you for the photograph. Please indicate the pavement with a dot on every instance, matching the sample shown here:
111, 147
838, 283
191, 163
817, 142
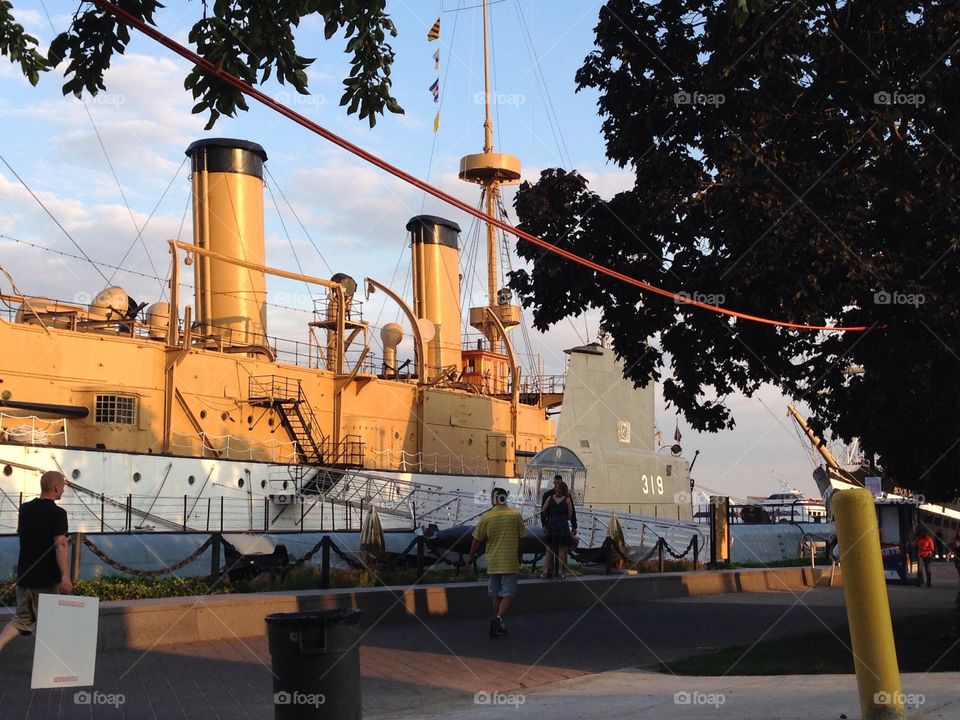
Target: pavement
561, 664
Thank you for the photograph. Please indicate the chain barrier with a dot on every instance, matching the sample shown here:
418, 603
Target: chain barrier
309, 554
681, 556
586, 554
147, 573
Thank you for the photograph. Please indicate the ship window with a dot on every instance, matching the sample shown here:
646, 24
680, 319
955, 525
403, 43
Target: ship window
116, 409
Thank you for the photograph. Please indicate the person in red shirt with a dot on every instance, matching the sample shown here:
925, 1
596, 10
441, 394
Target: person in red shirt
925, 549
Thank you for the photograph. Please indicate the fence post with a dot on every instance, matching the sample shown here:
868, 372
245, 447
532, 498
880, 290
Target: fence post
266, 514
129, 512
208, 513
420, 544
103, 511
75, 556
221, 513
660, 555
184, 513
696, 552
215, 558
325, 562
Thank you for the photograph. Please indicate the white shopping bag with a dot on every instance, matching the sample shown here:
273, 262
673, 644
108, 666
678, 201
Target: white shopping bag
66, 650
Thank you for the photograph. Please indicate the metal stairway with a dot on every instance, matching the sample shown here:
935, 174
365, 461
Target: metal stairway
285, 396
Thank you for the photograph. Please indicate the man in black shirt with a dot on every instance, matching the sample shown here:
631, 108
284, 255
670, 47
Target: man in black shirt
42, 566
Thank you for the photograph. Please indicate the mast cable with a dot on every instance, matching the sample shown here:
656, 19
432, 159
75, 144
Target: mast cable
297, 218
293, 250
126, 203
56, 222
552, 118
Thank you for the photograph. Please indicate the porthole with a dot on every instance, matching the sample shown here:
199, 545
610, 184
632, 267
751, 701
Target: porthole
263, 483
203, 414
240, 482
224, 416
269, 421
136, 477
8, 471
191, 480
249, 419
75, 474
284, 484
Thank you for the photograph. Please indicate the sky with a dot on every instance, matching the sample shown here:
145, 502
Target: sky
110, 169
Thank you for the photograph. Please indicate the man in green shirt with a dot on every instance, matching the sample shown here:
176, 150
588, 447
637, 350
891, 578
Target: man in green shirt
500, 528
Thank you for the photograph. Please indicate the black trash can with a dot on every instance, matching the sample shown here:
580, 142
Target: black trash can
316, 664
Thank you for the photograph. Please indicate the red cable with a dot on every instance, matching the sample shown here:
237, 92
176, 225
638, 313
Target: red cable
261, 97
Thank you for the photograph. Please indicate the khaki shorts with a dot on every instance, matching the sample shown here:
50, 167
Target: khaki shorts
27, 600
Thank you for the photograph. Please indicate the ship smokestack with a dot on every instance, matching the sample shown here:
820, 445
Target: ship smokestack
436, 287
227, 180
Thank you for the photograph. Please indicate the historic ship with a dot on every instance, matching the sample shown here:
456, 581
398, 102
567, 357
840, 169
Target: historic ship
180, 416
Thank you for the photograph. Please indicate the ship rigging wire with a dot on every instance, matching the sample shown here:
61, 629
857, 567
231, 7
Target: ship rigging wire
123, 196
143, 275
261, 97
53, 217
296, 217
552, 118
296, 258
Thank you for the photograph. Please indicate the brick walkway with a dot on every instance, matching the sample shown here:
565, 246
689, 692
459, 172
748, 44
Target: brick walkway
415, 667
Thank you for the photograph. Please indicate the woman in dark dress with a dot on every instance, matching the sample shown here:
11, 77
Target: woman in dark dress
558, 510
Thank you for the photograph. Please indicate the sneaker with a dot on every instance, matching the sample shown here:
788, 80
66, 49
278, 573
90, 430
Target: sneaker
495, 628
501, 627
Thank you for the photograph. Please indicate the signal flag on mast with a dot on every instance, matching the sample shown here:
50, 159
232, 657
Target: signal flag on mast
434, 33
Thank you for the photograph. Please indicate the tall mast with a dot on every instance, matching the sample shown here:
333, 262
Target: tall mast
821, 447
490, 170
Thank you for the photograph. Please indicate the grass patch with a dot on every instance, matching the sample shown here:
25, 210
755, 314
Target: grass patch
924, 643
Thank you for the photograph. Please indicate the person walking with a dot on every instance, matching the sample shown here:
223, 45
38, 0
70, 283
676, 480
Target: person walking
559, 513
501, 528
42, 566
925, 548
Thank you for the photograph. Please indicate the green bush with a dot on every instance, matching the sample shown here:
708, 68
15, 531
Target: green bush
125, 587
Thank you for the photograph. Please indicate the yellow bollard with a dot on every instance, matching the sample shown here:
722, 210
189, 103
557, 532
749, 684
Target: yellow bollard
868, 609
